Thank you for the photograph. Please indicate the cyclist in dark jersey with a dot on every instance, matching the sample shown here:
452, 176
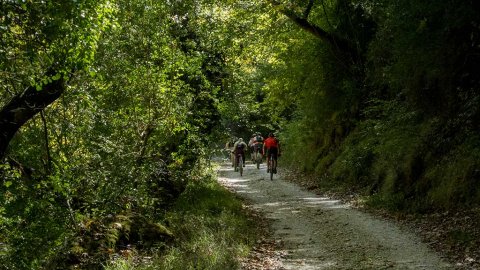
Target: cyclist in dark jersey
258, 143
239, 148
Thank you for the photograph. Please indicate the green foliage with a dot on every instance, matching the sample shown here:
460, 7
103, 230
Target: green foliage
379, 155
394, 122
209, 220
425, 50
452, 180
211, 230
152, 86
326, 101
27, 206
128, 136
39, 38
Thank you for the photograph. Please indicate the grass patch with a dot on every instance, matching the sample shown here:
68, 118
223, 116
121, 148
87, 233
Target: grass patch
392, 202
212, 231
454, 179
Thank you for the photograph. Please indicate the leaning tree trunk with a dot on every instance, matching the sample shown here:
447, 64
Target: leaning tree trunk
23, 107
338, 43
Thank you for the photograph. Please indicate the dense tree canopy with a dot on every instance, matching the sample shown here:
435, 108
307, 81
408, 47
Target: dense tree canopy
395, 119
114, 106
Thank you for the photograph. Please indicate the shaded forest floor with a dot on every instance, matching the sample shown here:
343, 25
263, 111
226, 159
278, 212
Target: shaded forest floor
453, 234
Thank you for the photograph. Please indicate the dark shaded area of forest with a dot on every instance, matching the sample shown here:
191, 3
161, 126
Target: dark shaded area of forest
396, 114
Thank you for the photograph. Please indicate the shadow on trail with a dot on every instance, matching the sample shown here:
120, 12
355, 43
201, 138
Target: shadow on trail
317, 232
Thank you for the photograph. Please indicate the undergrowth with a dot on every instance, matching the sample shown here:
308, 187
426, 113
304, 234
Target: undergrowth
396, 159
211, 230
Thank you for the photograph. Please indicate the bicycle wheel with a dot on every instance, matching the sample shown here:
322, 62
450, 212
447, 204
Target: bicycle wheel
235, 164
258, 158
271, 167
240, 165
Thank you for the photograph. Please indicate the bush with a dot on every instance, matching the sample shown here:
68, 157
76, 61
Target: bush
211, 228
453, 181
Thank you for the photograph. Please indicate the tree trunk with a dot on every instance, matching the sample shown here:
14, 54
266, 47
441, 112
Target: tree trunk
25, 106
340, 44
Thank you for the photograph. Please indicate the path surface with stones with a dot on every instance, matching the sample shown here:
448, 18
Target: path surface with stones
316, 232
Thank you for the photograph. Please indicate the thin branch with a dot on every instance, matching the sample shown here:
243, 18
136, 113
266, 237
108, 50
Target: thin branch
325, 13
337, 42
24, 106
48, 163
308, 9
144, 141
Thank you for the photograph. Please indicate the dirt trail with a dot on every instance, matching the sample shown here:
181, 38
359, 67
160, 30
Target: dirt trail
319, 233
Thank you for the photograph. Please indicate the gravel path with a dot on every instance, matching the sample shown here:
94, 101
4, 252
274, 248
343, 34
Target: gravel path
319, 233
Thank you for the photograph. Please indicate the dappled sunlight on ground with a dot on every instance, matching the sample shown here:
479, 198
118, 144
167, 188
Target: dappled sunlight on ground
317, 232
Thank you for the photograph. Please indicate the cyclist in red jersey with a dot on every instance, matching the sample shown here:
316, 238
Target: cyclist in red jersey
271, 146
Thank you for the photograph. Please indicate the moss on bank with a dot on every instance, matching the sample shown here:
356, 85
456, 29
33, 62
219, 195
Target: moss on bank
212, 231
399, 160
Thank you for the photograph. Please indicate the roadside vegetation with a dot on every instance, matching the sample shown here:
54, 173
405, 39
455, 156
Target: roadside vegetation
210, 230
394, 112
110, 112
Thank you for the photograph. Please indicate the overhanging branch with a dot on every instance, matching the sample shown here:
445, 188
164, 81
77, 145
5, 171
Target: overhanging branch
337, 42
25, 106
308, 9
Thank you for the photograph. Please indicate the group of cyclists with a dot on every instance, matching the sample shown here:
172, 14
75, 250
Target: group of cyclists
269, 147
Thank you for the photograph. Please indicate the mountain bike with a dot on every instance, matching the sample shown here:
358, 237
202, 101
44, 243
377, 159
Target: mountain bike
232, 158
239, 163
258, 155
271, 165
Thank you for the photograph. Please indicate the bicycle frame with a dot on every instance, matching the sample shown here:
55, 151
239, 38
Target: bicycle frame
270, 164
258, 158
239, 163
